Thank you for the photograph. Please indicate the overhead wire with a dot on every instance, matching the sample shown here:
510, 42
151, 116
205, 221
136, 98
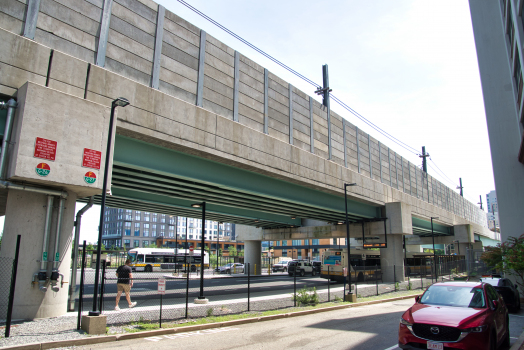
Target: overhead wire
337, 100
309, 81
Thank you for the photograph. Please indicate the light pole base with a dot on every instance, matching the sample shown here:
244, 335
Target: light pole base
351, 297
201, 301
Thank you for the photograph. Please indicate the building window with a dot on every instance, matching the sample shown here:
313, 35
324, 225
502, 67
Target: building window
171, 220
137, 229
284, 253
128, 228
128, 215
155, 217
127, 243
171, 231
162, 230
146, 243
137, 215
162, 218
153, 230
153, 242
297, 242
146, 216
315, 242
146, 230
136, 243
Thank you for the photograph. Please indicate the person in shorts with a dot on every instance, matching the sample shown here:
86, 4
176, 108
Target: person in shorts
124, 283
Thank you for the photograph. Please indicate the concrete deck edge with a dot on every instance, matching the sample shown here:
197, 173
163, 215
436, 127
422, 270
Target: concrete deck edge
156, 332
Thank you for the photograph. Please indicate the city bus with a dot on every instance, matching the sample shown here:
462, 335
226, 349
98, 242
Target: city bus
149, 259
365, 264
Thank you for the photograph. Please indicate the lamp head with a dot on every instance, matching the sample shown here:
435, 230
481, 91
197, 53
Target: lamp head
197, 205
120, 102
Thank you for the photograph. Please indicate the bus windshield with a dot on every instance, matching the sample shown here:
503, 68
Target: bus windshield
131, 256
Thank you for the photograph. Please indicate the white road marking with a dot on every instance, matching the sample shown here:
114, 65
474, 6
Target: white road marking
392, 347
514, 338
189, 334
516, 315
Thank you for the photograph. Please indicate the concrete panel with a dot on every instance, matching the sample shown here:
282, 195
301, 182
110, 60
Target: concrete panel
250, 71
180, 44
178, 80
70, 17
399, 218
132, 18
218, 87
180, 56
62, 30
129, 45
139, 8
66, 88
182, 23
178, 68
177, 92
22, 53
220, 45
250, 123
65, 46
14, 78
11, 24
68, 120
219, 53
218, 109
219, 65
13, 8
86, 8
68, 70
132, 32
125, 70
182, 32
251, 103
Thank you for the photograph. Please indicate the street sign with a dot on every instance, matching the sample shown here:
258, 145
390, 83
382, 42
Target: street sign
161, 286
44, 256
191, 250
375, 245
345, 271
57, 256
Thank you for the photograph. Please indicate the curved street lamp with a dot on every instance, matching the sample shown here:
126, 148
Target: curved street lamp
119, 102
202, 243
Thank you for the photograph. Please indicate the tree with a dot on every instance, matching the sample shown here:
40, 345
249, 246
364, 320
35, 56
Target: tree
507, 257
232, 250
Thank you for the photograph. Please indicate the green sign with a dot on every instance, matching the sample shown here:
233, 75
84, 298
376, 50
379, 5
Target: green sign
57, 256
44, 256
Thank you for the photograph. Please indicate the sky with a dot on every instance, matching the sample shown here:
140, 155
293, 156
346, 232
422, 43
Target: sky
409, 67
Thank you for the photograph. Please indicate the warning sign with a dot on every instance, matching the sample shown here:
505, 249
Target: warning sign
42, 169
90, 177
45, 149
92, 158
161, 286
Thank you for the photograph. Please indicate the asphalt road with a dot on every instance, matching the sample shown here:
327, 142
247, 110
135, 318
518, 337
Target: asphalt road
372, 327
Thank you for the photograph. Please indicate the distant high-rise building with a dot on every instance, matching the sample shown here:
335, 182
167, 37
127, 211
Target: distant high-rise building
493, 210
135, 228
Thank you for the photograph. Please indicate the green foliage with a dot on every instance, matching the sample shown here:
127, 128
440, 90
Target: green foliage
397, 286
507, 257
90, 247
307, 296
209, 312
153, 245
206, 248
232, 251
410, 286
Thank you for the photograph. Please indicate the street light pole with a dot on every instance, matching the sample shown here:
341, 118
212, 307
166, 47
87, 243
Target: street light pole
347, 233
434, 251
119, 102
202, 251
218, 237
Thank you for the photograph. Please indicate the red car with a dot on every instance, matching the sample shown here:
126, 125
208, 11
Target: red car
455, 315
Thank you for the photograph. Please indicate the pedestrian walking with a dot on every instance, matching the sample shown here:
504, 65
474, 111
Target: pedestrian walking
124, 283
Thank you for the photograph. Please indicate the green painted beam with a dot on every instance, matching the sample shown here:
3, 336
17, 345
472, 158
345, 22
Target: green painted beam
152, 158
424, 226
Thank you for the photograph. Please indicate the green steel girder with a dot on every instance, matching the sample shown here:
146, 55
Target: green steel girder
145, 172
423, 228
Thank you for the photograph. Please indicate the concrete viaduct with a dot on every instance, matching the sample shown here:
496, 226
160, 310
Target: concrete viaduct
205, 123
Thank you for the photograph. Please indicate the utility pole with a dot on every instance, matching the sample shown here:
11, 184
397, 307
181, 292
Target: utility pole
480, 202
461, 187
324, 91
424, 155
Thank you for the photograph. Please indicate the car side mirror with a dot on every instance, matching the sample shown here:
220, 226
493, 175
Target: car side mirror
495, 304
417, 298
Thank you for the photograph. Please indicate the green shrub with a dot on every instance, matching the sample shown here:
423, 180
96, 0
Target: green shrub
307, 296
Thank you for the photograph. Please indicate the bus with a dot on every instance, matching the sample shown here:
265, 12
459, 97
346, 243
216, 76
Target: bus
365, 264
422, 264
149, 259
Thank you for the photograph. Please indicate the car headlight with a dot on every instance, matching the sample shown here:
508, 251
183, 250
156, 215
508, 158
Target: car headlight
407, 324
475, 329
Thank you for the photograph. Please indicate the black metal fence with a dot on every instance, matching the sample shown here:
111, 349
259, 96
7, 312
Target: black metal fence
8, 272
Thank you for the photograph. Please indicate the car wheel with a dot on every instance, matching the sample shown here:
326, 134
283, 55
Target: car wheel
148, 268
313, 273
302, 273
506, 341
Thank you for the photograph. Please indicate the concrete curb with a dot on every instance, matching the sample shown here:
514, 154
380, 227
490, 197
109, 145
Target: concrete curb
157, 332
518, 343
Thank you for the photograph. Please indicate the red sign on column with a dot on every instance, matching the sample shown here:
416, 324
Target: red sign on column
45, 149
92, 158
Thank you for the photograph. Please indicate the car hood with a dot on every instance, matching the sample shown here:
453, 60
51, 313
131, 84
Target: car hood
445, 315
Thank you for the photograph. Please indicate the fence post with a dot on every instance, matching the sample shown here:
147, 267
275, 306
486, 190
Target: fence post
376, 277
81, 292
421, 280
160, 325
12, 289
295, 286
102, 285
395, 276
187, 285
248, 285
329, 279
356, 283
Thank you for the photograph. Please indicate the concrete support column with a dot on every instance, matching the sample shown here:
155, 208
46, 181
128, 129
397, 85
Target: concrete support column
25, 216
253, 256
392, 259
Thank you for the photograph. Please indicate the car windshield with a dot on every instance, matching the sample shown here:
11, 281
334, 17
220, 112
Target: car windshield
228, 265
454, 296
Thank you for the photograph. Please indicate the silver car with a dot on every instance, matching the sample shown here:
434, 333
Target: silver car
231, 268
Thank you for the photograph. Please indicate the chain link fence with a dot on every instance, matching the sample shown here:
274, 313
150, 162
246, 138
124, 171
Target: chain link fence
6, 268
